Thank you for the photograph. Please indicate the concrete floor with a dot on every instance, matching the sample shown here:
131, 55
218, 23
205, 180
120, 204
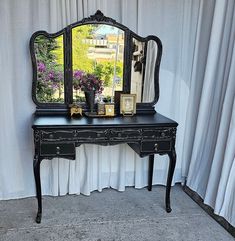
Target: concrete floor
110, 215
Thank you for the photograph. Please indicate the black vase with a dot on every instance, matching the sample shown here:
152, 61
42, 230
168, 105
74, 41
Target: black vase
90, 100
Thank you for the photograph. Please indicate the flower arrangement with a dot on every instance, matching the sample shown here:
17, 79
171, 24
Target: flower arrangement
87, 82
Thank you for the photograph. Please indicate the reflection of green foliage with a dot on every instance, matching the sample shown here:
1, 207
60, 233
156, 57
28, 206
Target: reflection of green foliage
80, 48
49, 56
58, 52
105, 71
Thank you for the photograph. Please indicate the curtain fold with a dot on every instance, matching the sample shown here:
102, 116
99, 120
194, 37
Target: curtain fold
213, 154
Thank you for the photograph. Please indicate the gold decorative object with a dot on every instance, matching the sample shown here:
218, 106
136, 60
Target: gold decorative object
101, 109
128, 104
109, 110
75, 109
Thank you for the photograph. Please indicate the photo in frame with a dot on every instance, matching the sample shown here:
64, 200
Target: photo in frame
127, 104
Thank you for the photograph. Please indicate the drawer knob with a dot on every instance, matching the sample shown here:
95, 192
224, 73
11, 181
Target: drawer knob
98, 135
119, 134
51, 136
163, 134
156, 147
57, 150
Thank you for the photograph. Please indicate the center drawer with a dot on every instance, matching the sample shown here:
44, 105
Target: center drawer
125, 134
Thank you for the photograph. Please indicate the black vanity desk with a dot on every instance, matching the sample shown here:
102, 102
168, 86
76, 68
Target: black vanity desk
57, 136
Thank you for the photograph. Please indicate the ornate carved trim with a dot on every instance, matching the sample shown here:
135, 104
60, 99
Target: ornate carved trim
37, 136
99, 17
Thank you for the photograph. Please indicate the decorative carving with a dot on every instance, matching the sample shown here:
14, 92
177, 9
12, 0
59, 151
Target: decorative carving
99, 17
37, 136
159, 133
75, 109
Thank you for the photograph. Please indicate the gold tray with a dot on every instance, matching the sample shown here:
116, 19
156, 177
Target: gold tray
88, 114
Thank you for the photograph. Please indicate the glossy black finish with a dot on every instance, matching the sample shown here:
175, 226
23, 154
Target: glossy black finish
57, 136
98, 17
150, 174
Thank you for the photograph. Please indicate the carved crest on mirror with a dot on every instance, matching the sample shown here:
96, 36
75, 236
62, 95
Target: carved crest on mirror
95, 53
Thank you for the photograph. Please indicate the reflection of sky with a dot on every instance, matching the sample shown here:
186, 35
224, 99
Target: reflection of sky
106, 29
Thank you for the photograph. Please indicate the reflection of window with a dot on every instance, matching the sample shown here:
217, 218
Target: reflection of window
95, 50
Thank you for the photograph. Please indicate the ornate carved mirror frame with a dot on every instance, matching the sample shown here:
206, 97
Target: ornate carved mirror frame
97, 18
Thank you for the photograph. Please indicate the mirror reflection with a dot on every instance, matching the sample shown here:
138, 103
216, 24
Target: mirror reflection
143, 62
137, 68
49, 55
97, 60
149, 80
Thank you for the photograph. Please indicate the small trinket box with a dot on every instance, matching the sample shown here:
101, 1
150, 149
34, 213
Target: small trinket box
101, 109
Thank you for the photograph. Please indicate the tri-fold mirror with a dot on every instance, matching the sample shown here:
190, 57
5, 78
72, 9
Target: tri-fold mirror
97, 47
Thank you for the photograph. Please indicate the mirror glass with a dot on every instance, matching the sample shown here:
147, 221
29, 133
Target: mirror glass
142, 70
97, 60
137, 68
49, 55
149, 81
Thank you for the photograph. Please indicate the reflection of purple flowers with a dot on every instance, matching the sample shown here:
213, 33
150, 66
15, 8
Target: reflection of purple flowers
41, 67
86, 82
49, 75
55, 86
78, 74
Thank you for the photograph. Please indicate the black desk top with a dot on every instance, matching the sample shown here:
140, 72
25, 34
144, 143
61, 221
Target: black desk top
123, 121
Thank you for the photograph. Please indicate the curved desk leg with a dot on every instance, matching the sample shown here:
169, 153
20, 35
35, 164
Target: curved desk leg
150, 174
36, 168
172, 161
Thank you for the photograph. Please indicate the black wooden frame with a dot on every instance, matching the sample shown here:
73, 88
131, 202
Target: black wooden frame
97, 18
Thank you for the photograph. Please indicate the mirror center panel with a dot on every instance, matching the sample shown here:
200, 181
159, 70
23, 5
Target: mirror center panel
98, 54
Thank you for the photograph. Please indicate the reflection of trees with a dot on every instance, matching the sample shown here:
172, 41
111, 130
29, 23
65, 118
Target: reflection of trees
49, 56
80, 48
50, 63
105, 69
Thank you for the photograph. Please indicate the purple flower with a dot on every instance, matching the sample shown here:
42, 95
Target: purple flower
41, 67
54, 86
86, 81
78, 74
51, 75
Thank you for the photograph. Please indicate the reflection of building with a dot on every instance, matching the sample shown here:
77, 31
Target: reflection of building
106, 41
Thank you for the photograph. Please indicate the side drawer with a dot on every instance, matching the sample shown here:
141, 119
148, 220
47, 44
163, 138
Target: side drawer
155, 146
60, 149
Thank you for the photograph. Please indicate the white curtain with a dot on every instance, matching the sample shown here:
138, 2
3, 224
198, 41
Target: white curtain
196, 90
212, 127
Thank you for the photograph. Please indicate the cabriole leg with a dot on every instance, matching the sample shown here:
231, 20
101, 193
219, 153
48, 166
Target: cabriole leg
36, 168
172, 161
150, 174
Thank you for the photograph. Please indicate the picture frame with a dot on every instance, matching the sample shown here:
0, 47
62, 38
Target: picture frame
109, 110
128, 104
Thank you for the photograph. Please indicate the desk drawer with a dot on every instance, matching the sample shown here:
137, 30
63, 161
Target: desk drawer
73, 135
160, 133
125, 134
155, 146
60, 149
